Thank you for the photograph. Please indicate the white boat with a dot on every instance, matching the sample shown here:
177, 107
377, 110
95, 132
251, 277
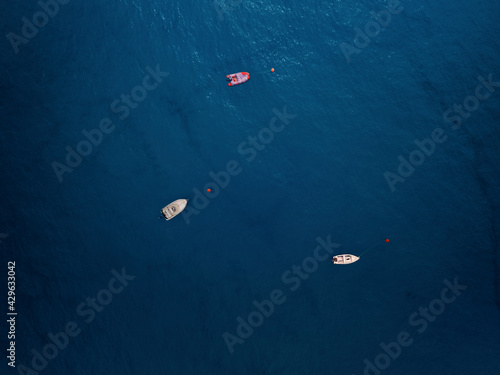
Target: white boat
174, 208
344, 259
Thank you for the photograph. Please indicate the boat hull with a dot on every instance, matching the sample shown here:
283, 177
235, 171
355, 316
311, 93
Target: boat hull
173, 209
238, 78
345, 259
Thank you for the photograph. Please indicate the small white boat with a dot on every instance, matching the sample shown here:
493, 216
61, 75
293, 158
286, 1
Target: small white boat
344, 259
174, 208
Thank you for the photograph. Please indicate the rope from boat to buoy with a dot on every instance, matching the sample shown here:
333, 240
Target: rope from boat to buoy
376, 244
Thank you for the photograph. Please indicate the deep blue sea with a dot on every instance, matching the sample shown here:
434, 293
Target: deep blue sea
380, 121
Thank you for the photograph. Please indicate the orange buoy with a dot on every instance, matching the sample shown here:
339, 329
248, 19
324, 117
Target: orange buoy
387, 240
209, 190
272, 70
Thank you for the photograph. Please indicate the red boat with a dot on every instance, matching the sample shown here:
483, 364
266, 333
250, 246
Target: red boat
237, 78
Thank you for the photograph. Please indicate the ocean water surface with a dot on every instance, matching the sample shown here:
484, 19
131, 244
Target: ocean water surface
326, 146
